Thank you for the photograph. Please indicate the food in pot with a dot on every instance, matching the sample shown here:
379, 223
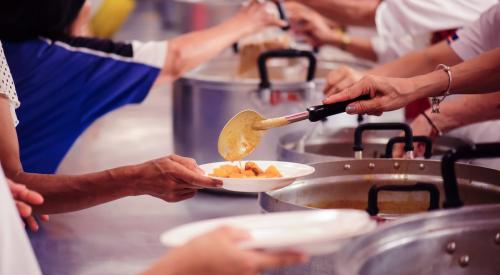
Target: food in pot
251, 170
250, 52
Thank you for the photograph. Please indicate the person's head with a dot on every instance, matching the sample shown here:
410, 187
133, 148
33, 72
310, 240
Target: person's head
27, 19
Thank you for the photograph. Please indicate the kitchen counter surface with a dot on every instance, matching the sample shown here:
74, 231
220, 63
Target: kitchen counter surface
122, 237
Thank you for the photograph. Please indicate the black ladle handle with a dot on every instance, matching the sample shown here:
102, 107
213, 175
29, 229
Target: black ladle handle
419, 186
482, 150
321, 112
422, 139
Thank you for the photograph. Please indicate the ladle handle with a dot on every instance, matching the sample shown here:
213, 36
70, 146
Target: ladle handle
358, 134
422, 139
419, 186
320, 112
482, 150
284, 53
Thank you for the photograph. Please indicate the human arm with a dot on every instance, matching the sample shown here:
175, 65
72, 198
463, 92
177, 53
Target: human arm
190, 50
25, 199
454, 113
346, 12
171, 178
217, 253
478, 75
318, 31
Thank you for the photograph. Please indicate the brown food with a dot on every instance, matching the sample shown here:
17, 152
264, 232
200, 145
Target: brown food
250, 52
251, 170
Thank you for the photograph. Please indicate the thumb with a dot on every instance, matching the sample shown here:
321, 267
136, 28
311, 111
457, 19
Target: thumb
364, 107
191, 177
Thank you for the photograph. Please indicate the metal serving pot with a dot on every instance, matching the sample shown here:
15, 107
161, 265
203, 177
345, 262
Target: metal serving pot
464, 241
387, 188
411, 245
205, 99
303, 147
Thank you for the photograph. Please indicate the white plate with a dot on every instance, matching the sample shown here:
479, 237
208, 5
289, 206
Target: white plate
315, 232
290, 171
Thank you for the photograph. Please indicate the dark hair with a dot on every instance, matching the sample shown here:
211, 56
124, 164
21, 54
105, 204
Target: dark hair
27, 19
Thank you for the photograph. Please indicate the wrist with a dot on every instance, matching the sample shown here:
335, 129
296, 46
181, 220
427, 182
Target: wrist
431, 84
127, 178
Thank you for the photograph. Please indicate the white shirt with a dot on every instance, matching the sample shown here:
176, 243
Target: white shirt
407, 25
479, 37
16, 254
7, 87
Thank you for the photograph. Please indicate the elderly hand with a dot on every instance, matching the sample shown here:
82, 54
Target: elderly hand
257, 15
316, 29
24, 199
387, 94
341, 79
171, 178
217, 253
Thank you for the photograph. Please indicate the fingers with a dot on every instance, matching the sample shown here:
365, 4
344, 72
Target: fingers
32, 223
184, 196
193, 178
188, 163
23, 209
370, 107
45, 218
22, 193
344, 95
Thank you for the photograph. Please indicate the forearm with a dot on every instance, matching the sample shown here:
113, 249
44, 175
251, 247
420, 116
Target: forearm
346, 12
419, 62
466, 110
71, 193
190, 50
478, 75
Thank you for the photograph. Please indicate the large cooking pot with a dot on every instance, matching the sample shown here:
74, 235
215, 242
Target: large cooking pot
463, 241
313, 147
421, 244
206, 98
391, 187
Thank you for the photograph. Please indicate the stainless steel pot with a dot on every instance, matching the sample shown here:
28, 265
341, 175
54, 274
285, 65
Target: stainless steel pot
205, 99
464, 241
304, 147
391, 187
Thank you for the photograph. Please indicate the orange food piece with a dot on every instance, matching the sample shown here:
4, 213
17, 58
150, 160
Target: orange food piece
251, 170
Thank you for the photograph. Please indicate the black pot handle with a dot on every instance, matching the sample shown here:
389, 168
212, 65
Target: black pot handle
423, 139
284, 53
419, 186
482, 150
320, 112
358, 135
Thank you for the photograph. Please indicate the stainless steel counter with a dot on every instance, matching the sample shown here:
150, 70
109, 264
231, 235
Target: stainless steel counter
122, 237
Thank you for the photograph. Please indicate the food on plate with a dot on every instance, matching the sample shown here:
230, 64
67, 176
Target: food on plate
250, 52
251, 170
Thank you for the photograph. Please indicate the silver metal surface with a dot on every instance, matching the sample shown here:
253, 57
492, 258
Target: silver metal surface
123, 237
337, 145
332, 185
205, 99
297, 117
414, 245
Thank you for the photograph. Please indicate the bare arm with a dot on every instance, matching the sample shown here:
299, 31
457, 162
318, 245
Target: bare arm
172, 178
346, 12
418, 62
190, 50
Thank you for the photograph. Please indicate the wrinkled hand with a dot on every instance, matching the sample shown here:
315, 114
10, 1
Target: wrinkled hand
387, 94
316, 29
24, 199
258, 15
172, 179
420, 127
217, 253
341, 79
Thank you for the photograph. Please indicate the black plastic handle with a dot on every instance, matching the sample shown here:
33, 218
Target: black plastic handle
320, 112
482, 150
358, 133
283, 15
284, 53
422, 139
419, 186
